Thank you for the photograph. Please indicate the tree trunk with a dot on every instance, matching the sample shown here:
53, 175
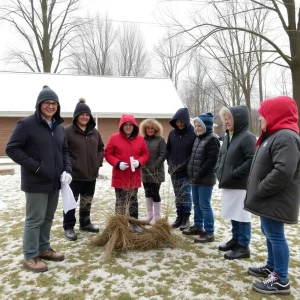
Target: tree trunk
295, 69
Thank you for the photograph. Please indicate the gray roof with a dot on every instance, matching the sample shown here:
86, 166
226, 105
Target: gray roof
107, 97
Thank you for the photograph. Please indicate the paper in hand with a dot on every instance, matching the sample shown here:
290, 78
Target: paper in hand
131, 163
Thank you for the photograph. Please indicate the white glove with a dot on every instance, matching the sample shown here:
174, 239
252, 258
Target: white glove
136, 163
65, 178
123, 166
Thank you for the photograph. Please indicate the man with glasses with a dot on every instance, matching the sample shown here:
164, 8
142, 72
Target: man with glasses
39, 145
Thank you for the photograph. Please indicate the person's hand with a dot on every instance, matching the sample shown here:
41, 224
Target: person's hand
136, 163
123, 166
65, 178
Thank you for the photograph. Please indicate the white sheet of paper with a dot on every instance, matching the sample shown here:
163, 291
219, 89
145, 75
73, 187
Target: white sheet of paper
131, 163
68, 200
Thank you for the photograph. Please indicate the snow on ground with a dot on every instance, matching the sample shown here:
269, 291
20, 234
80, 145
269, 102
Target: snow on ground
191, 271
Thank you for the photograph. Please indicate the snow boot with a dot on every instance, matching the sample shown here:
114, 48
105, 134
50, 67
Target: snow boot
178, 220
157, 212
149, 206
185, 223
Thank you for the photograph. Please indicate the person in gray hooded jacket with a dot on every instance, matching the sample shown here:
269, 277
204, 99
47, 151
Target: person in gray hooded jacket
232, 170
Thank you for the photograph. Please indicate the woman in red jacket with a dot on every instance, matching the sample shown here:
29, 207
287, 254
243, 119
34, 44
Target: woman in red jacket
127, 151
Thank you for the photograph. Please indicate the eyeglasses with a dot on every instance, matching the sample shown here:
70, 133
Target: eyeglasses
150, 128
48, 103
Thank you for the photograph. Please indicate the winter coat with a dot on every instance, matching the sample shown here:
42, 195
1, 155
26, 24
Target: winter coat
201, 167
180, 144
236, 156
154, 170
119, 149
86, 150
274, 183
41, 151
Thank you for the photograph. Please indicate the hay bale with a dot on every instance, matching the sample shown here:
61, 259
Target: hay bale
118, 235
7, 171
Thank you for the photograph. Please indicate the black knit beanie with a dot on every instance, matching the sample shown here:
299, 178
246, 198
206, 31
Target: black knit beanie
46, 94
80, 108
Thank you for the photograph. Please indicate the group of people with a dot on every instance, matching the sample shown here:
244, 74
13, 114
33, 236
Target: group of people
258, 177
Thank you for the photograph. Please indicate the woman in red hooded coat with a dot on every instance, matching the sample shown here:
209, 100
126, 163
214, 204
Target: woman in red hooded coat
126, 151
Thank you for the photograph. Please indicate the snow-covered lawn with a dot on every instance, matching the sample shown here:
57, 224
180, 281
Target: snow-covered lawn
191, 271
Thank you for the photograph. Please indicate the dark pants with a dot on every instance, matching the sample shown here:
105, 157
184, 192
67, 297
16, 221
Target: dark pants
152, 191
183, 193
127, 202
241, 231
86, 190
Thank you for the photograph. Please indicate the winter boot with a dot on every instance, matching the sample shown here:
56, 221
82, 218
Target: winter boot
157, 212
185, 223
178, 220
149, 206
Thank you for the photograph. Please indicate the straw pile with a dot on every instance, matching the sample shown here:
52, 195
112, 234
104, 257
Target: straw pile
119, 236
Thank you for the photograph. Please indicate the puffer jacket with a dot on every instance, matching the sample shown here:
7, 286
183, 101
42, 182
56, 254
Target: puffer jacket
236, 156
86, 150
274, 183
201, 167
119, 149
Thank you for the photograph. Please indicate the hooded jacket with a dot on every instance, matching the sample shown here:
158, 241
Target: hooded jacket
86, 149
274, 183
154, 170
204, 156
120, 148
236, 156
41, 151
180, 143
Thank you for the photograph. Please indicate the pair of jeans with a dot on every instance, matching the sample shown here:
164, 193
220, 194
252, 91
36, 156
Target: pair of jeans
203, 213
241, 231
182, 190
127, 202
40, 210
86, 190
152, 191
278, 249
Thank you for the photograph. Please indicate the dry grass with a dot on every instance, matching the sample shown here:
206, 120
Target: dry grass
118, 235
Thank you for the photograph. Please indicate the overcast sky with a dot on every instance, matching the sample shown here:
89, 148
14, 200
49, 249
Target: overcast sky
145, 13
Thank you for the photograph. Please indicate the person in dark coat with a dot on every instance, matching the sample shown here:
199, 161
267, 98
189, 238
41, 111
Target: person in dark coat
153, 173
273, 191
179, 147
201, 171
86, 150
232, 170
39, 145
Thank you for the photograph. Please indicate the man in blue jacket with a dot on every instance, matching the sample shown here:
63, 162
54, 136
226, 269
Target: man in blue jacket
179, 148
39, 145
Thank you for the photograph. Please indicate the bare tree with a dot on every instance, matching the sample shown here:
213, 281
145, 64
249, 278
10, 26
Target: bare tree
92, 49
286, 12
46, 29
236, 52
132, 58
169, 51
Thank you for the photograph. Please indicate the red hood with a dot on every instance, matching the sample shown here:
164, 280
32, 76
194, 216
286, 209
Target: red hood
280, 113
129, 118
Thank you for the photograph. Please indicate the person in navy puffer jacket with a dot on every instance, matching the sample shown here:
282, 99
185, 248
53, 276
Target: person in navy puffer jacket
179, 147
